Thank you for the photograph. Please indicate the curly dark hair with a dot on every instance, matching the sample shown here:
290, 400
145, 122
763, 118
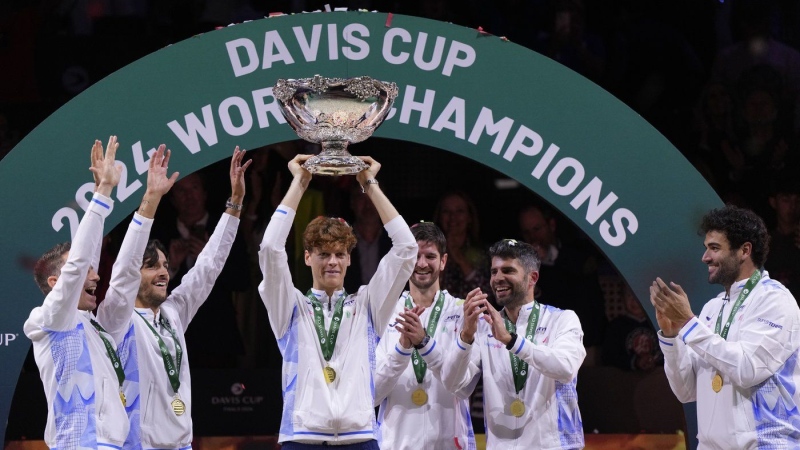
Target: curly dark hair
514, 249
739, 225
324, 232
150, 258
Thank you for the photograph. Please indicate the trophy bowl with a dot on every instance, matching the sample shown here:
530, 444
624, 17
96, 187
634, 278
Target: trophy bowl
334, 112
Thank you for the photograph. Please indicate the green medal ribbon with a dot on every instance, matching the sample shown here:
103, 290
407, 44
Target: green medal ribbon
419, 364
112, 354
173, 370
748, 287
327, 340
519, 367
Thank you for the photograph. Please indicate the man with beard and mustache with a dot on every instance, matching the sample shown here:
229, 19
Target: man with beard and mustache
327, 337
159, 386
738, 358
529, 354
416, 410
78, 357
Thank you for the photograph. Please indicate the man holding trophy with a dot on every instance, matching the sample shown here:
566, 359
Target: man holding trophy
327, 336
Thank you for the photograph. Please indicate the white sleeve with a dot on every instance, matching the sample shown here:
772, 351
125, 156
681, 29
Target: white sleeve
276, 289
767, 336
392, 274
562, 357
198, 282
114, 312
391, 361
60, 307
679, 368
462, 364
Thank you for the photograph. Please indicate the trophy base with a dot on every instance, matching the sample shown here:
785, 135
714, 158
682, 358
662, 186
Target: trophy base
334, 165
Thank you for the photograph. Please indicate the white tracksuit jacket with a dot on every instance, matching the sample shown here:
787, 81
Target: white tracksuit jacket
442, 423
154, 425
343, 411
757, 407
81, 386
552, 419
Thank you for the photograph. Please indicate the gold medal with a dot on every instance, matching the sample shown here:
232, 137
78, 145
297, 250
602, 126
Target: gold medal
329, 374
122, 397
419, 397
517, 408
178, 407
716, 383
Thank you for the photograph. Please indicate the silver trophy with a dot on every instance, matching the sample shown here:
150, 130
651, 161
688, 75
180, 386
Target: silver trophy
334, 112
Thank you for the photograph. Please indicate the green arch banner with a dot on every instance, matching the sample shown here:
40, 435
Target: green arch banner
476, 95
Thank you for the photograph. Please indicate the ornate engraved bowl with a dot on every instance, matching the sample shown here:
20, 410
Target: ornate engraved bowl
334, 112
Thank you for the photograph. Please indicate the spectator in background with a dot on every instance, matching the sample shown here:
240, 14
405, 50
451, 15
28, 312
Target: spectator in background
568, 276
372, 240
631, 342
457, 216
784, 255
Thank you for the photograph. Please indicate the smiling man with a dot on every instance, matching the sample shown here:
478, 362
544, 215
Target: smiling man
739, 359
529, 354
327, 336
158, 384
76, 355
416, 410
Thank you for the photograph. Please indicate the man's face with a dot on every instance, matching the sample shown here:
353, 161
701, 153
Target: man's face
189, 195
723, 263
328, 266
510, 284
787, 207
153, 286
537, 231
429, 265
454, 215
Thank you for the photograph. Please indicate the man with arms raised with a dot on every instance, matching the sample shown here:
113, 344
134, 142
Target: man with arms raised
530, 354
161, 390
76, 353
738, 359
416, 410
328, 337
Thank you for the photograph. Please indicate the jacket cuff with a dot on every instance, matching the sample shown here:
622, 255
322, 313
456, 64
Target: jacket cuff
145, 223
101, 205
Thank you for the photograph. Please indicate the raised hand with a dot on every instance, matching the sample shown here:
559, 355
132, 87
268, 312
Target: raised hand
297, 170
494, 319
237, 175
370, 172
672, 307
157, 181
412, 332
474, 308
104, 170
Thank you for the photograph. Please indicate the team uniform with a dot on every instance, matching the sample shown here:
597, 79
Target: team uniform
330, 401
74, 351
756, 406
160, 410
443, 420
544, 413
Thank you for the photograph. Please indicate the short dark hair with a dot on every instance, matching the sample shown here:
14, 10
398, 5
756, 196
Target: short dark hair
429, 232
739, 225
150, 258
514, 249
50, 264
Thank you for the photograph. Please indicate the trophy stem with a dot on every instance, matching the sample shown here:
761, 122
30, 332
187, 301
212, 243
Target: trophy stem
334, 159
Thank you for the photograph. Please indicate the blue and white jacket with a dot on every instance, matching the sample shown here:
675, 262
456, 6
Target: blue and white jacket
552, 419
343, 411
82, 389
758, 404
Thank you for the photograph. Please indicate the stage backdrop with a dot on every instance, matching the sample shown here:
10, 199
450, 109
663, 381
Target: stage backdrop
463, 91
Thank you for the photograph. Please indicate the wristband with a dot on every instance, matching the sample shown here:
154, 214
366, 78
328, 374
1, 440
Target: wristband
233, 206
368, 182
510, 344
